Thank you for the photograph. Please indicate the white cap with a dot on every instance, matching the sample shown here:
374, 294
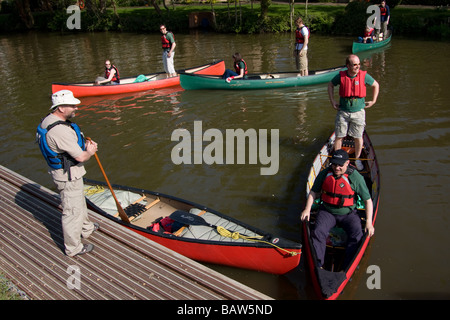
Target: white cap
63, 97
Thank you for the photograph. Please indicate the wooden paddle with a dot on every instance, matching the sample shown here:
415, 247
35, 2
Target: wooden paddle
122, 213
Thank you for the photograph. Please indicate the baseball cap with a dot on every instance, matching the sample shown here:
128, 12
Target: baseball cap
339, 157
63, 97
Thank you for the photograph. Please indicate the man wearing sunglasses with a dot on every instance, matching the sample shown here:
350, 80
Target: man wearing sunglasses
351, 116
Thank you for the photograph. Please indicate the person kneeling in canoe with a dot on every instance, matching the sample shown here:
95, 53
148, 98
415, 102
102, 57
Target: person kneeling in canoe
241, 69
369, 35
111, 75
338, 187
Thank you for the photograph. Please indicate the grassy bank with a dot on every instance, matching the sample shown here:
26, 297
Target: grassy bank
327, 19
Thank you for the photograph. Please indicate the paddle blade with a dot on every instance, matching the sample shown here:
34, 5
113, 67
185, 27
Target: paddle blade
188, 218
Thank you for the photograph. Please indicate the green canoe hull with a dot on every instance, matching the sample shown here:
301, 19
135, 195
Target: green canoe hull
358, 46
258, 81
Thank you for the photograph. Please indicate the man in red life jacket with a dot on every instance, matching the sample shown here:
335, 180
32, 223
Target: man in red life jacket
111, 75
351, 116
338, 187
301, 47
168, 46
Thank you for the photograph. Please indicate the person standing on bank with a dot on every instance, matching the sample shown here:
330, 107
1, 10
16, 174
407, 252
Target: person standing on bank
301, 47
64, 148
338, 187
351, 116
168, 46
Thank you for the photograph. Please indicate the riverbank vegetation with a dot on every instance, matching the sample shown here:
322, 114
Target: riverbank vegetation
228, 16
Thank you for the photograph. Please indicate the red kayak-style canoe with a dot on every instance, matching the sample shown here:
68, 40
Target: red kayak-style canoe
195, 231
330, 279
127, 85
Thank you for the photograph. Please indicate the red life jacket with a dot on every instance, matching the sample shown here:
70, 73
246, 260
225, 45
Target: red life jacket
368, 33
337, 192
116, 77
352, 87
238, 70
165, 42
299, 38
383, 11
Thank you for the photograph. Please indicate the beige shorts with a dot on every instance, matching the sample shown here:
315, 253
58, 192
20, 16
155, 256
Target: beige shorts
301, 61
350, 123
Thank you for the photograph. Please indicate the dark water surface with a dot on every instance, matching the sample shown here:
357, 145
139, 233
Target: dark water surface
409, 127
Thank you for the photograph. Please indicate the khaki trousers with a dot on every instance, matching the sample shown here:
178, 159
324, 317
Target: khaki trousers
75, 220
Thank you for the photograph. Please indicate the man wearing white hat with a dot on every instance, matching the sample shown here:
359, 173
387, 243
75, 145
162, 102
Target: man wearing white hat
65, 150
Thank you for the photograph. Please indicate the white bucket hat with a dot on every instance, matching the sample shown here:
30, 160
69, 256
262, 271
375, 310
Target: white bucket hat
63, 97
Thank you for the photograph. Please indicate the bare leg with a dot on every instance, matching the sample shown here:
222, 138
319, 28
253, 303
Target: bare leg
338, 143
358, 147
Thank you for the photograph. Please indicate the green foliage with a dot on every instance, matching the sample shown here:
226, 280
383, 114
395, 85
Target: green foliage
348, 20
353, 20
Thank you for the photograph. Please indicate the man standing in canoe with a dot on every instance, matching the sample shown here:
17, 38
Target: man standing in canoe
168, 46
351, 116
301, 47
338, 187
64, 148
385, 15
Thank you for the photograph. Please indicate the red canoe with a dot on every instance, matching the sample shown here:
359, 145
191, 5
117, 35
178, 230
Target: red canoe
330, 280
154, 81
194, 231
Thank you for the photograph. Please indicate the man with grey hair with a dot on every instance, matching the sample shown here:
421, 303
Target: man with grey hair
64, 148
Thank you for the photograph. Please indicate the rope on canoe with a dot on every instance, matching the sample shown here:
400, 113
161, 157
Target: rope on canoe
93, 190
236, 235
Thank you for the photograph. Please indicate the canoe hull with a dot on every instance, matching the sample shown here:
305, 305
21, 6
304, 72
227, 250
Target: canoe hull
359, 47
157, 81
253, 255
321, 278
258, 81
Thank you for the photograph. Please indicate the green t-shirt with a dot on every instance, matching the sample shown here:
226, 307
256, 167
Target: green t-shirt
356, 182
169, 36
353, 104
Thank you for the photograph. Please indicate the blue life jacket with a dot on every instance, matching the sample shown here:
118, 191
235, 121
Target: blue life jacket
58, 160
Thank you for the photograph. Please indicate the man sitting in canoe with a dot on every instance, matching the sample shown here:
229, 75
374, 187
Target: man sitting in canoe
338, 187
111, 75
241, 69
369, 35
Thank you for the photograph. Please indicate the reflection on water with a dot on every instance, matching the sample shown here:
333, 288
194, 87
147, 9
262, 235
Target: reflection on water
409, 127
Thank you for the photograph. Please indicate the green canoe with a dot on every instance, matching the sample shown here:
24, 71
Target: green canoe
258, 81
358, 46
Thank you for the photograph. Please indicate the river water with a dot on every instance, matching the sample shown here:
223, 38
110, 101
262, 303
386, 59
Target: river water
409, 127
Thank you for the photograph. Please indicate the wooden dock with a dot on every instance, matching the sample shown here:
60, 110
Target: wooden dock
123, 266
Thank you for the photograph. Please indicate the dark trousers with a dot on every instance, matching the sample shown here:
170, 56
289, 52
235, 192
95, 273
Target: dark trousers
229, 73
351, 223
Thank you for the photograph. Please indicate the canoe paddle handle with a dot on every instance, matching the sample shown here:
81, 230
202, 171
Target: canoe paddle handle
122, 213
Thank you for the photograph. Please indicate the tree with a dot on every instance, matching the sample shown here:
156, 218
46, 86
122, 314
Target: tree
265, 4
